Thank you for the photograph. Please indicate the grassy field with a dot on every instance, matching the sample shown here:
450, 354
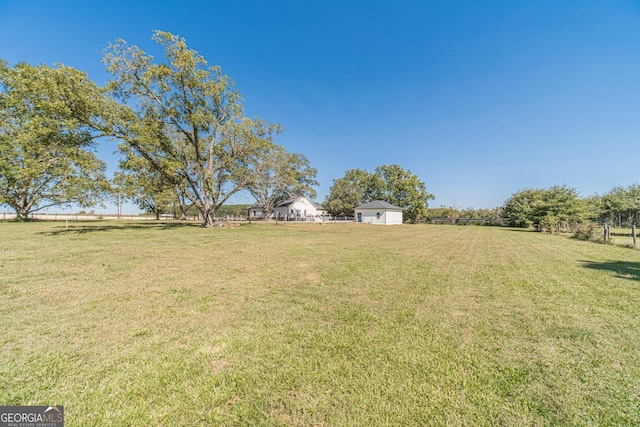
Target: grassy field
337, 325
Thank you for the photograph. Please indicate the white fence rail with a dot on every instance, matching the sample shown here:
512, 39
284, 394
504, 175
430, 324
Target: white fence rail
7, 216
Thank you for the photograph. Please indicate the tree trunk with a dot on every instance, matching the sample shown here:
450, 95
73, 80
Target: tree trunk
22, 212
22, 215
182, 205
208, 218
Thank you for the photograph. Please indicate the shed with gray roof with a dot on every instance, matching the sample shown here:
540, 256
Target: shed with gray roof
378, 212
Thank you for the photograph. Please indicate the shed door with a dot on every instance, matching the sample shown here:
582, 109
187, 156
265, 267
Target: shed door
359, 216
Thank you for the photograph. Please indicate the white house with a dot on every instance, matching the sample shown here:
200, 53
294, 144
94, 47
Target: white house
292, 208
378, 212
256, 211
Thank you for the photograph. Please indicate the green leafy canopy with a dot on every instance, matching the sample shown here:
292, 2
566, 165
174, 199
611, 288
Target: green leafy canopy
46, 155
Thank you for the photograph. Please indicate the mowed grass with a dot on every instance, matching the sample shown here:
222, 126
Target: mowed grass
338, 325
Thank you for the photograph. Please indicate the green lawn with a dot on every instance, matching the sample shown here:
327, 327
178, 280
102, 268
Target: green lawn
130, 323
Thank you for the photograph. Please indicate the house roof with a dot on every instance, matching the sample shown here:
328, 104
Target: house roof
292, 200
379, 204
288, 202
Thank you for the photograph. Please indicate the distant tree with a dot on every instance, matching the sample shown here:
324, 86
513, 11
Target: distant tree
145, 186
451, 213
445, 212
46, 156
347, 192
236, 210
633, 208
469, 213
277, 174
494, 214
491, 216
621, 205
399, 187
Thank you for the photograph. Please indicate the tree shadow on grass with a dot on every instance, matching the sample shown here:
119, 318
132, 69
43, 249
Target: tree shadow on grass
91, 228
623, 269
520, 230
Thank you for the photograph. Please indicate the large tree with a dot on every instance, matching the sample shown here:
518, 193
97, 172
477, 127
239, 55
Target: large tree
277, 174
545, 209
389, 183
347, 192
400, 187
183, 117
559, 204
518, 209
46, 155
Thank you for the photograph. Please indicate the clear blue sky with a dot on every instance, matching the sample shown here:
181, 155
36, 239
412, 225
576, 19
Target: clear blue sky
478, 98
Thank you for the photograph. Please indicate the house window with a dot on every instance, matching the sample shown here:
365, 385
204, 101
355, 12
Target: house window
377, 215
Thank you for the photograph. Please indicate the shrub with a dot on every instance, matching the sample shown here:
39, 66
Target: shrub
548, 223
586, 231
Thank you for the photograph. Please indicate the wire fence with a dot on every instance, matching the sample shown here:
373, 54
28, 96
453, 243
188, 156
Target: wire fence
464, 221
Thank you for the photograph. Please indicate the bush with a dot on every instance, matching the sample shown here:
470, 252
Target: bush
548, 223
586, 232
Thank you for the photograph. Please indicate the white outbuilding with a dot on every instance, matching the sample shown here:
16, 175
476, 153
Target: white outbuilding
378, 212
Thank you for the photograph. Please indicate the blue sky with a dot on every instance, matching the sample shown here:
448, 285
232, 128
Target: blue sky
480, 99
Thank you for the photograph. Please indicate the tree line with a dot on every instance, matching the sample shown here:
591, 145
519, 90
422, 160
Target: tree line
182, 132
561, 206
186, 144
184, 140
491, 216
